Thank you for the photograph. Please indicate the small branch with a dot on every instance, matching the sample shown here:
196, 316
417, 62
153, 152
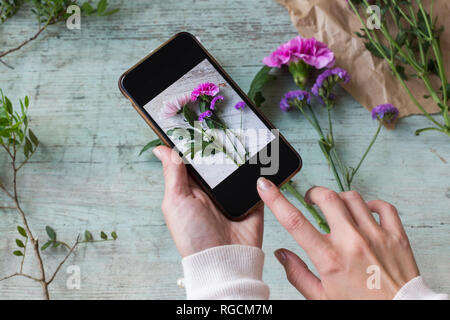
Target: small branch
20, 274
63, 261
8, 208
2, 54
26, 160
23, 257
6, 65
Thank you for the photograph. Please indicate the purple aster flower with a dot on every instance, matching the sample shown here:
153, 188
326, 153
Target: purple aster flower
204, 89
333, 76
213, 102
298, 96
240, 105
204, 115
385, 112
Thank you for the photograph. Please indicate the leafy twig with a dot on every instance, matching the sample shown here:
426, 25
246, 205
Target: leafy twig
54, 13
15, 136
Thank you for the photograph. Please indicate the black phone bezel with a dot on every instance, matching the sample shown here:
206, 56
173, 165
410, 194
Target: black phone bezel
237, 194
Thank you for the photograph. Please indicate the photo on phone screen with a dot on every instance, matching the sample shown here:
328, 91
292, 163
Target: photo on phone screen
208, 122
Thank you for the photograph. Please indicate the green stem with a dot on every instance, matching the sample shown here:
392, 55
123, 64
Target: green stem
380, 125
412, 97
334, 150
319, 219
326, 152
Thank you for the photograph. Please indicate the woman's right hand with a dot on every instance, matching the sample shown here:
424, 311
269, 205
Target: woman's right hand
359, 259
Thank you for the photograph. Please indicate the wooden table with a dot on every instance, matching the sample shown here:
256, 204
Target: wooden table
87, 173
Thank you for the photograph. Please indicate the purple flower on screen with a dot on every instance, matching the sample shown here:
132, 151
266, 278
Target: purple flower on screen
204, 89
240, 105
213, 102
206, 114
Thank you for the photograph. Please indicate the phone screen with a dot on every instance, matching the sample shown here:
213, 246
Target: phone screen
196, 108
226, 132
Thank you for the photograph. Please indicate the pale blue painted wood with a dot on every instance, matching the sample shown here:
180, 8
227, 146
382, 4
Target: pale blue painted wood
87, 173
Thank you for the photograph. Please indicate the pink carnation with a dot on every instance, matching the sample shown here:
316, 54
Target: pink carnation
174, 106
311, 51
207, 89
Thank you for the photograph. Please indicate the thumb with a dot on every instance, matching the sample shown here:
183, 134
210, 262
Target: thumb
175, 174
299, 275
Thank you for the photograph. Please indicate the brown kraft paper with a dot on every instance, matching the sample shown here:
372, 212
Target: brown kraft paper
372, 82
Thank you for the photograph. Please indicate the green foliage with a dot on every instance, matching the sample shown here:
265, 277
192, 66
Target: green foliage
409, 40
54, 11
259, 81
14, 132
88, 9
22, 232
8, 8
19, 242
49, 12
151, 144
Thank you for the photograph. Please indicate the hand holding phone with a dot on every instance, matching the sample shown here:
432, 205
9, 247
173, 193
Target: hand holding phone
193, 219
197, 109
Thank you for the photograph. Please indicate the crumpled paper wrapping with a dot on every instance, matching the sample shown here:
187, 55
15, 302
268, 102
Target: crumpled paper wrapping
372, 82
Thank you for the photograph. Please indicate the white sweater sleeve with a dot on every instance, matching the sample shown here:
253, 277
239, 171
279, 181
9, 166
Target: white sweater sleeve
235, 272
416, 289
225, 272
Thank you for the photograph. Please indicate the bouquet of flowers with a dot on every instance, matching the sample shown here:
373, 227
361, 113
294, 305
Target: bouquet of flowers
299, 56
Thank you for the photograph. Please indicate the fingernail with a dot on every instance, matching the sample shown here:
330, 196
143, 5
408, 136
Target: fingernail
307, 196
264, 184
280, 255
157, 153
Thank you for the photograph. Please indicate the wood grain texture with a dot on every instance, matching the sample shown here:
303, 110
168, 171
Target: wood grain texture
87, 173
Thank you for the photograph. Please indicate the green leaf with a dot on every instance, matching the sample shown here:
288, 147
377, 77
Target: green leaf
20, 243
45, 246
50, 232
33, 137
189, 115
18, 253
401, 72
88, 236
151, 144
114, 235
259, 81
111, 12
27, 101
373, 50
22, 231
103, 235
28, 146
8, 105
101, 7
87, 9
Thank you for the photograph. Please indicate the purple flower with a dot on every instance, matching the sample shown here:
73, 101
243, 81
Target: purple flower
311, 51
385, 112
298, 96
213, 102
204, 89
204, 115
330, 77
240, 105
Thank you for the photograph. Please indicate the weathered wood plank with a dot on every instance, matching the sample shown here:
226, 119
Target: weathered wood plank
87, 175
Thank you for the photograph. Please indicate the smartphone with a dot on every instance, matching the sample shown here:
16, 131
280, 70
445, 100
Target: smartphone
194, 106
